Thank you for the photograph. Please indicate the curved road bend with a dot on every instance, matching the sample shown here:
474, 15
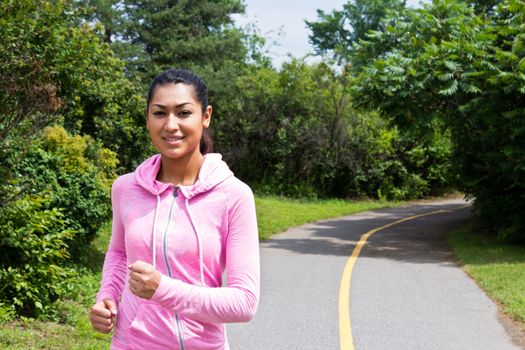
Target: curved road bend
407, 293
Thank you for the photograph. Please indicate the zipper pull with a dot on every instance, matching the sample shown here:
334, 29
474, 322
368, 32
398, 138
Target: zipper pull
175, 191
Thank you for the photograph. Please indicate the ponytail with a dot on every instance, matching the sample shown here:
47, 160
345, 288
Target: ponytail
206, 144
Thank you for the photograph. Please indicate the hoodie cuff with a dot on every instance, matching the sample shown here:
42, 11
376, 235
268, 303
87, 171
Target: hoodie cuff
164, 295
106, 295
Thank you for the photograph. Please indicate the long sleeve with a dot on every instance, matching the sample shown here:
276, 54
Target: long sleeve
239, 300
115, 268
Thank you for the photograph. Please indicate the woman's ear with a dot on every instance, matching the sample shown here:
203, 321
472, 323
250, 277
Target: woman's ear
206, 117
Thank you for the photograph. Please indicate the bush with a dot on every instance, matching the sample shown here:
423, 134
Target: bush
76, 172
34, 243
65, 181
296, 132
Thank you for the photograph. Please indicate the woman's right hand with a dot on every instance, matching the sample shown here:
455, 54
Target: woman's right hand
102, 315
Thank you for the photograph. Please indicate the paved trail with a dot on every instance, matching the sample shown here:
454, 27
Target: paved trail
406, 290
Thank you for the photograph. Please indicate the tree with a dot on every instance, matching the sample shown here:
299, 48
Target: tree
296, 132
54, 69
451, 62
54, 188
108, 12
337, 32
152, 36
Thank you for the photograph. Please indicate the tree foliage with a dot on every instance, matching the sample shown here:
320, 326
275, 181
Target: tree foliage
465, 67
152, 36
336, 32
68, 181
297, 132
54, 69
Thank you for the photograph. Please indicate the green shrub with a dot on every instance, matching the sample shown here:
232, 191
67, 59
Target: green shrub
7, 313
34, 248
66, 184
76, 173
296, 132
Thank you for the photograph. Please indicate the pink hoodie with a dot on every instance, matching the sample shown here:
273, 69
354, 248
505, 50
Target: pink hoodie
191, 235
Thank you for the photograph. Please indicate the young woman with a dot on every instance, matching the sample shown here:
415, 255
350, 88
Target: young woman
179, 221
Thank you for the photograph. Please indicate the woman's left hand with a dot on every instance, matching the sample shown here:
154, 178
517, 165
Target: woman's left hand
144, 279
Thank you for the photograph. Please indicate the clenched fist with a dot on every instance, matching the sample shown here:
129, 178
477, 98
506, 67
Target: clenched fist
144, 279
102, 316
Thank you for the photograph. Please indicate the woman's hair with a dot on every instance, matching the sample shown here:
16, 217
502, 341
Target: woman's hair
182, 76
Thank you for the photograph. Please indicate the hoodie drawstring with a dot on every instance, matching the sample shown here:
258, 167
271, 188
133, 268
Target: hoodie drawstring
201, 261
154, 245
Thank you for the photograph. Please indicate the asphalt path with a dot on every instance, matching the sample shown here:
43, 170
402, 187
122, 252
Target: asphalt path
407, 292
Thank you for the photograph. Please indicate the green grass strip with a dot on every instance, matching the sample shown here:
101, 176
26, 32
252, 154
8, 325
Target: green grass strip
499, 268
277, 214
72, 329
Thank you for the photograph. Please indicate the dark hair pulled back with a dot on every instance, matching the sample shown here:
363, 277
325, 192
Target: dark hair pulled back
186, 77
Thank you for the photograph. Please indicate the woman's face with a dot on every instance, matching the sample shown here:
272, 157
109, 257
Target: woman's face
175, 120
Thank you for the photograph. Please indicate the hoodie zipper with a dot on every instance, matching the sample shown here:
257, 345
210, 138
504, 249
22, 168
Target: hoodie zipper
164, 249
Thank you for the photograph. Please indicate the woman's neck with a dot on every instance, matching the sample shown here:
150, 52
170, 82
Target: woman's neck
183, 171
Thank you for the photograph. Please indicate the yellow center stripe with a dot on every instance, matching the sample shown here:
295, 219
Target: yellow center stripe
346, 340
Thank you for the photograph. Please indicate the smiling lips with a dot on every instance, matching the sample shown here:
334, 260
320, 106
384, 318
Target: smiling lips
174, 140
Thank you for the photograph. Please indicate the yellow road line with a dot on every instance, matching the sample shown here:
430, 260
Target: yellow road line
346, 341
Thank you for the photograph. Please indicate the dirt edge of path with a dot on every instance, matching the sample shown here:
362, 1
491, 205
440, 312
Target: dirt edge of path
514, 328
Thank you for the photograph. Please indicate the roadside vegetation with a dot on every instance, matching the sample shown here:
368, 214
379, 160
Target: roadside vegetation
277, 214
498, 267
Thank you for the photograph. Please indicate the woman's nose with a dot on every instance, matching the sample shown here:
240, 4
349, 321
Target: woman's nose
172, 123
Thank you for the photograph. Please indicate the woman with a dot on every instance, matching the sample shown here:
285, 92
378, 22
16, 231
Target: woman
179, 221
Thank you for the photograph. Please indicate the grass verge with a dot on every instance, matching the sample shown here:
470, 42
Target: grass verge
72, 330
276, 214
499, 268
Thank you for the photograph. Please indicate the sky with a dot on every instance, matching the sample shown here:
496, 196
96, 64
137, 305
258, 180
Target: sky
281, 22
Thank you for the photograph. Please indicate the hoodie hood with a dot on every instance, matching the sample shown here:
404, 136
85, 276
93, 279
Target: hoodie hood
212, 172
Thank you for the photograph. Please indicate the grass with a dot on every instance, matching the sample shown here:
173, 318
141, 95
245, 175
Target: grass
72, 330
499, 268
276, 214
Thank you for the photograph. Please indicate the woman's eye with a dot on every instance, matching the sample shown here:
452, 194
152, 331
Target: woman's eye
158, 114
184, 113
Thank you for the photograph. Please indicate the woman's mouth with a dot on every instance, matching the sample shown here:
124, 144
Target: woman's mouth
173, 140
